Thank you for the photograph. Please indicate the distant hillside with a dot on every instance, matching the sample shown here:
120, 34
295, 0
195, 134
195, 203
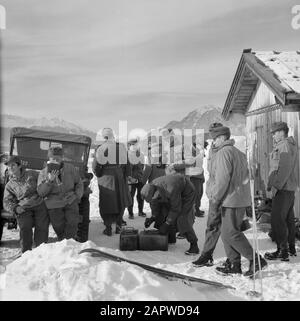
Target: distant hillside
53, 124
202, 117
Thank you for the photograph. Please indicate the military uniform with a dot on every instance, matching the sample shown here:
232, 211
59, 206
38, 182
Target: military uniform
283, 183
22, 192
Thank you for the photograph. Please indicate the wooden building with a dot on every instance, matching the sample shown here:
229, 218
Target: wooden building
266, 88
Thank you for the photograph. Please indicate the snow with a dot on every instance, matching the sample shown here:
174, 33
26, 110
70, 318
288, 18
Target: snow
286, 66
57, 272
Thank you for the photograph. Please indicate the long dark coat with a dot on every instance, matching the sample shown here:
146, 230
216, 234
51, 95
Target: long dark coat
114, 195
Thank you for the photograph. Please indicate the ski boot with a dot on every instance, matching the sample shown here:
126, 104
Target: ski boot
193, 250
204, 260
263, 264
279, 254
230, 269
108, 231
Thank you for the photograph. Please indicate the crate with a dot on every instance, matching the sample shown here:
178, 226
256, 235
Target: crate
129, 239
151, 240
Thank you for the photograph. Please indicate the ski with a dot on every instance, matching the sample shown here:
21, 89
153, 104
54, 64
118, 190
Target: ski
161, 272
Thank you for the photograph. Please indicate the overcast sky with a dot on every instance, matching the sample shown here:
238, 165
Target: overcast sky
95, 62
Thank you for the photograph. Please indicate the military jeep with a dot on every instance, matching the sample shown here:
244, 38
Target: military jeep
31, 145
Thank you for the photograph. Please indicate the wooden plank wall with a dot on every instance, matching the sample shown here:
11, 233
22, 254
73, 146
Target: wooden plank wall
261, 124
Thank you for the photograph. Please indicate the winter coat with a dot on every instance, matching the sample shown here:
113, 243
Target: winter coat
137, 168
178, 192
211, 168
153, 171
22, 191
283, 165
230, 178
58, 195
114, 195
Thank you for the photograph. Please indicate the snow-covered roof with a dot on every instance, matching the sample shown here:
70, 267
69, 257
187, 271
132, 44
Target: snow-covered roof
285, 65
279, 71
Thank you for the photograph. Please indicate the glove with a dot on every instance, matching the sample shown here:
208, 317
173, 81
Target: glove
164, 228
149, 221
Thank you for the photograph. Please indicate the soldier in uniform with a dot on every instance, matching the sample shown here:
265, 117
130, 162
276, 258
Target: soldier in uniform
230, 191
84, 209
283, 183
178, 195
21, 198
112, 169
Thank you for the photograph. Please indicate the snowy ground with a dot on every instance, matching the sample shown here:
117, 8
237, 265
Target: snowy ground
55, 271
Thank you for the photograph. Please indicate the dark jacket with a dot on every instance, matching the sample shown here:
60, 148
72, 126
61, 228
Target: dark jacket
114, 195
178, 193
136, 160
59, 195
153, 171
230, 177
21, 191
283, 166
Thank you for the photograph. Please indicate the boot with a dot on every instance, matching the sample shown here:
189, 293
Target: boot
130, 216
124, 223
279, 254
204, 260
142, 214
118, 229
193, 250
108, 231
263, 264
228, 268
292, 250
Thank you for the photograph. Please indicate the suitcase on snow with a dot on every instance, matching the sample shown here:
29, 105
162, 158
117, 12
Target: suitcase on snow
129, 239
151, 240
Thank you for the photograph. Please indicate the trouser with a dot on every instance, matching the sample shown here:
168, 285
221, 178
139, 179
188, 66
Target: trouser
235, 242
136, 188
283, 219
213, 229
84, 217
65, 220
38, 218
198, 184
191, 236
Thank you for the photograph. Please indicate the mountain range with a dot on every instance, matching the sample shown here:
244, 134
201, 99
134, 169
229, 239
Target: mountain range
202, 117
198, 118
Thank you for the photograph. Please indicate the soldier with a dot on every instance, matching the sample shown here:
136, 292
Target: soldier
112, 168
135, 181
21, 198
84, 208
60, 185
283, 184
231, 191
178, 193
213, 225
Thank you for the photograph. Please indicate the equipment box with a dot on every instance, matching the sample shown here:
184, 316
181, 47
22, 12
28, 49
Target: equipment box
151, 240
129, 239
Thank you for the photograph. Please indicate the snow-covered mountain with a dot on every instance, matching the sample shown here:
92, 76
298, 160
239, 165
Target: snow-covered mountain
203, 116
53, 124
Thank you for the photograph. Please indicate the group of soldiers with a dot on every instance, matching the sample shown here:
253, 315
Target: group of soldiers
173, 190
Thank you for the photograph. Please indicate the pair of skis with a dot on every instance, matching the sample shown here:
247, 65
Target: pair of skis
161, 272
